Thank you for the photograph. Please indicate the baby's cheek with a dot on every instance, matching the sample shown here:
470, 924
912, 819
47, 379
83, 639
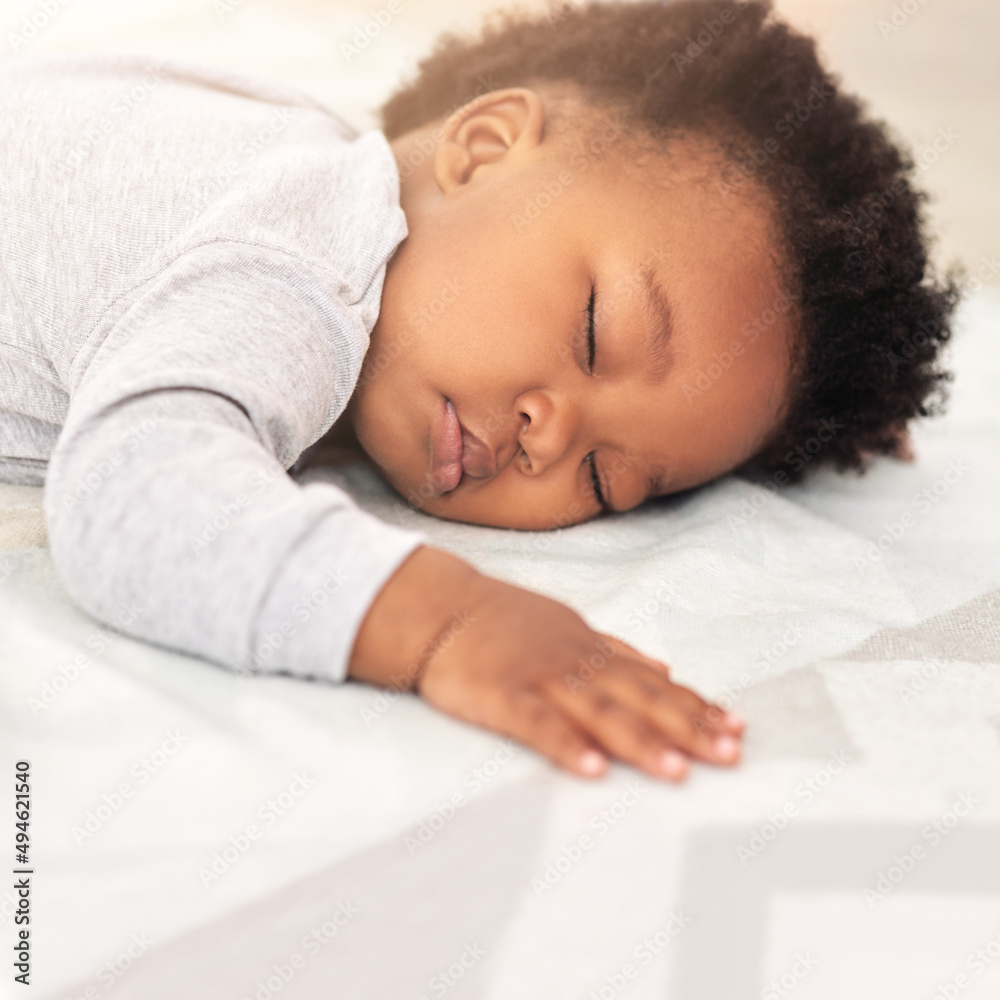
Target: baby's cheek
524, 504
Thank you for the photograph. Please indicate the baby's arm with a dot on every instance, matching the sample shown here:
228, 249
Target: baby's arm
511, 660
169, 510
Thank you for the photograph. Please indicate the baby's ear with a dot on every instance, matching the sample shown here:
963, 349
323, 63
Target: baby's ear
901, 448
904, 446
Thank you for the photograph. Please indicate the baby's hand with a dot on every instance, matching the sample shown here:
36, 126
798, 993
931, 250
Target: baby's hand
529, 667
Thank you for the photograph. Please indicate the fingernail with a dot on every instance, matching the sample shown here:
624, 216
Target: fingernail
735, 720
726, 747
673, 763
591, 762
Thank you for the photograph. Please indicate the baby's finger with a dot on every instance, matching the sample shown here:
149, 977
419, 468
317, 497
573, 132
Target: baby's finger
638, 654
713, 715
623, 731
706, 715
538, 724
677, 712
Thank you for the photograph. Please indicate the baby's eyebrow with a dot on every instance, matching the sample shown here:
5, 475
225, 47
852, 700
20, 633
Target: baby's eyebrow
657, 306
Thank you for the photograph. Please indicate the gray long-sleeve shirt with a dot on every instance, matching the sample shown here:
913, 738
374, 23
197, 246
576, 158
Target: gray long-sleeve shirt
191, 264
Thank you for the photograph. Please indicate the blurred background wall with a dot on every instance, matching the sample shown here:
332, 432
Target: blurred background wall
929, 67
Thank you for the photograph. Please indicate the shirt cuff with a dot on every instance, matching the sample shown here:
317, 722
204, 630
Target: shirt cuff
313, 611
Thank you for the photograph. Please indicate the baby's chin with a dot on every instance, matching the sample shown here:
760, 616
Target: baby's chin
469, 509
417, 493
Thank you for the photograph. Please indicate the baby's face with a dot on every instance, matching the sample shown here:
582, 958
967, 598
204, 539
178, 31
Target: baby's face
484, 397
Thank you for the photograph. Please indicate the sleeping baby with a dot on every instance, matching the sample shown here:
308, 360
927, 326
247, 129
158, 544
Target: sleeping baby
595, 255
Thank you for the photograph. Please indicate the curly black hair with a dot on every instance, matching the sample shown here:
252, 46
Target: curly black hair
870, 316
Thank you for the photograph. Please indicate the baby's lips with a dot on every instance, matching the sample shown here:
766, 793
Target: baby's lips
478, 459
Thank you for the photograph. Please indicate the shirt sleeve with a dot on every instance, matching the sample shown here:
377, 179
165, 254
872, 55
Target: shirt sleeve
169, 510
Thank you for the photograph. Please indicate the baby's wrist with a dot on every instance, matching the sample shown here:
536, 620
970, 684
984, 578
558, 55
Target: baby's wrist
418, 604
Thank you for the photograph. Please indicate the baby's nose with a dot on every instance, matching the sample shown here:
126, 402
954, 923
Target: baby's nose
551, 420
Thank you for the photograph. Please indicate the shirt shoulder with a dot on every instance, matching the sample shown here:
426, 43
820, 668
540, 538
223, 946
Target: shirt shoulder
59, 69
333, 205
144, 161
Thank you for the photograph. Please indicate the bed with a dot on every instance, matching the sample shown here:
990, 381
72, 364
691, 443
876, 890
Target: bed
203, 835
